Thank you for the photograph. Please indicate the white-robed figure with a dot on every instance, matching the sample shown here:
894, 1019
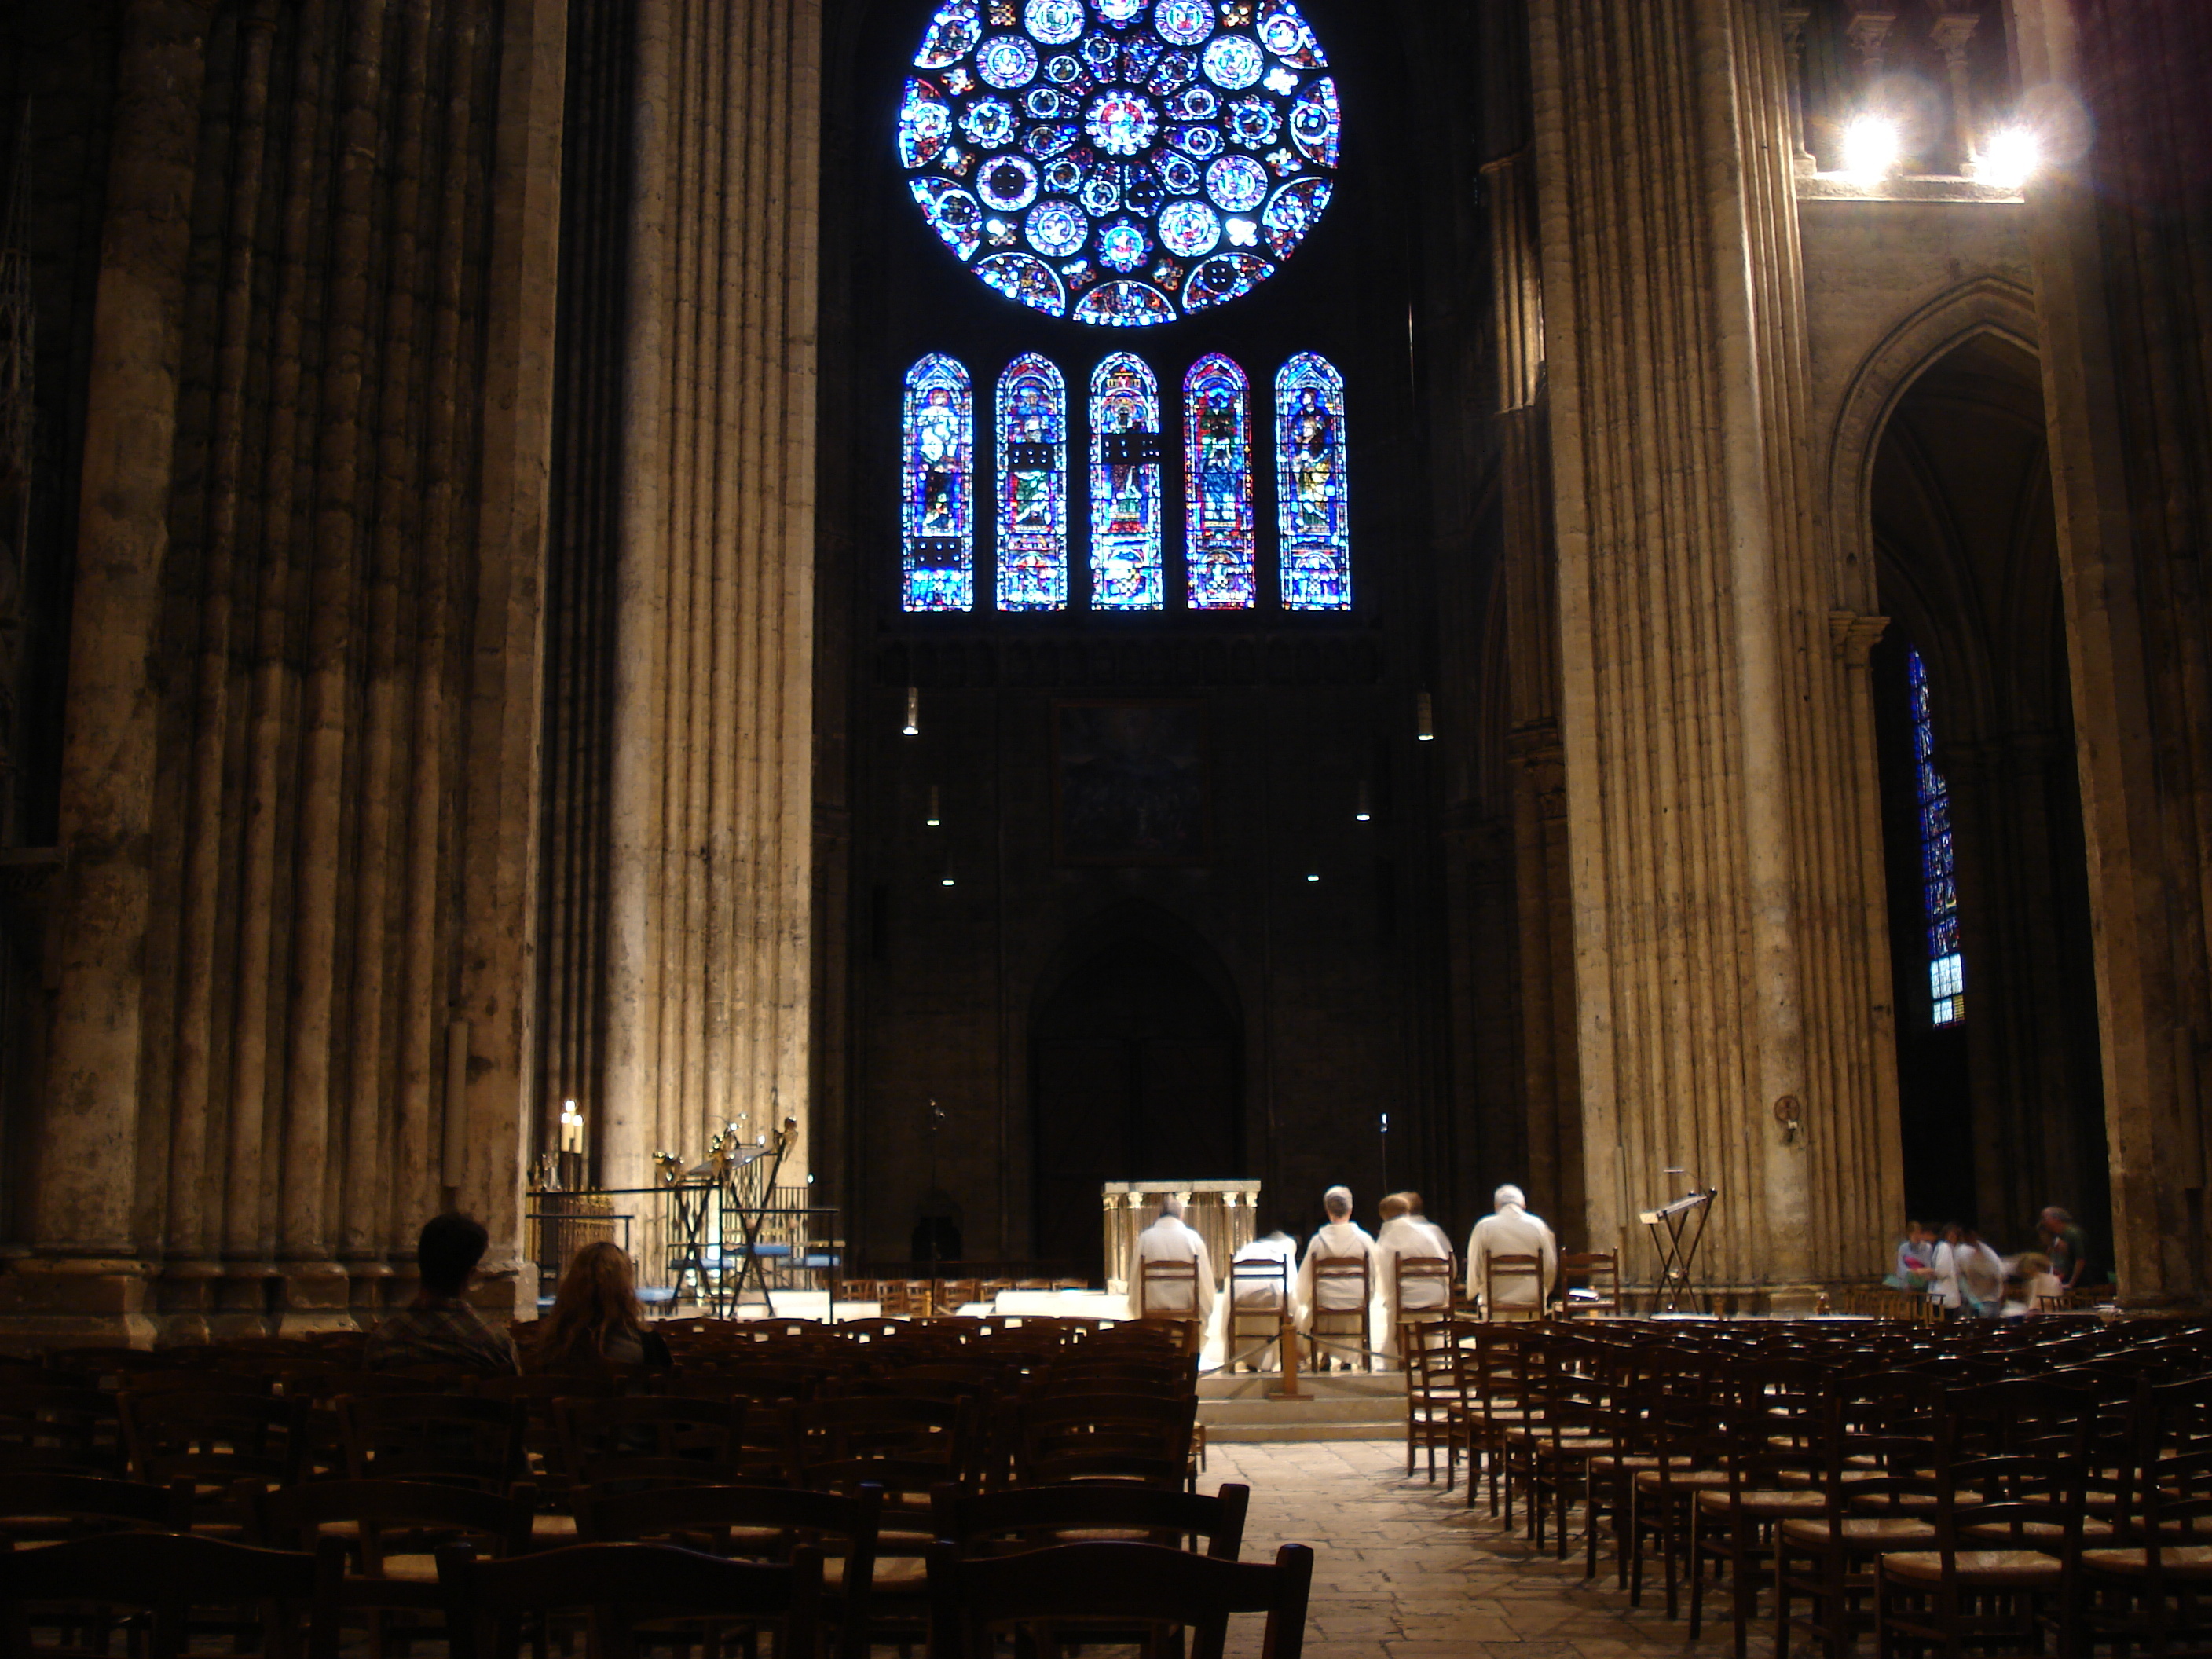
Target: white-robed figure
1512, 1231
1168, 1240
1340, 1236
1259, 1299
1408, 1236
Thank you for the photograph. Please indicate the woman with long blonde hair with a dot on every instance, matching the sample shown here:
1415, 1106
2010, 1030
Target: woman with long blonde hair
595, 1319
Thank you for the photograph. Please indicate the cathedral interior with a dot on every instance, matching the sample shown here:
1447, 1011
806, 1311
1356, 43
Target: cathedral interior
575, 574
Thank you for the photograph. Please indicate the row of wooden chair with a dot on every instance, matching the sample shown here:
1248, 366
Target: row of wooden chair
394, 1556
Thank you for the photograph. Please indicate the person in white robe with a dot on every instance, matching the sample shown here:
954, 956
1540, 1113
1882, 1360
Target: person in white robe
1512, 1231
1406, 1236
1340, 1236
1261, 1299
1168, 1240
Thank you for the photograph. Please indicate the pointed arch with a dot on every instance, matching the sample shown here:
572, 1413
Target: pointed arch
1032, 414
939, 511
1220, 527
1125, 504
1312, 499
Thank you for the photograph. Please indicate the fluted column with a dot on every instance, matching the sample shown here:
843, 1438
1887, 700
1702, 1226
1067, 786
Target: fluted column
708, 933
84, 1224
1726, 1018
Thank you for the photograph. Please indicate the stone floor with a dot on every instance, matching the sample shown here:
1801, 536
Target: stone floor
1402, 1571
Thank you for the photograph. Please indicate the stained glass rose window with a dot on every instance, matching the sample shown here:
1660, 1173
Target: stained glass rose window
1123, 162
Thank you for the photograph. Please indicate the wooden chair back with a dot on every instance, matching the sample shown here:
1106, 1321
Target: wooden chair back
168, 1575
1596, 1274
46, 1509
1167, 1290
1503, 1278
49, 1425
1111, 1586
659, 1438
624, 1585
454, 1439
1034, 1517
1344, 1330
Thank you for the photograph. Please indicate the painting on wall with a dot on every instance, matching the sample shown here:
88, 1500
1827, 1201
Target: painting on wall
1130, 782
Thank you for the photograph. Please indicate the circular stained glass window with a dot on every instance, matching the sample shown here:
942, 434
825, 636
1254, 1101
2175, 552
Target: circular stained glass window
1123, 162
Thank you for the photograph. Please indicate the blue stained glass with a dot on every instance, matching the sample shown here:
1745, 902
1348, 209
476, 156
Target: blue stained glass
1218, 476
1125, 485
1947, 965
1159, 131
939, 507
1313, 516
1032, 486
1023, 277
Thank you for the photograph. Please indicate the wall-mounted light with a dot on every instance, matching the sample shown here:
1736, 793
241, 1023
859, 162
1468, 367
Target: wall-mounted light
2009, 157
572, 1128
1362, 808
936, 817
1424, 718
1872, 147
913, 726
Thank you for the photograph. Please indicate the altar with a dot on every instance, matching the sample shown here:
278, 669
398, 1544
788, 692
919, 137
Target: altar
1222, 1212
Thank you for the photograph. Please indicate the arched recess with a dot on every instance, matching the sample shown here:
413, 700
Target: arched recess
1137, 1073
1947, 529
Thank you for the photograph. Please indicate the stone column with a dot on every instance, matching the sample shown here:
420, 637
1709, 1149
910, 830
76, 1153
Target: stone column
1726, 1019
494, 990
2116, 214
85, 1274
708, 973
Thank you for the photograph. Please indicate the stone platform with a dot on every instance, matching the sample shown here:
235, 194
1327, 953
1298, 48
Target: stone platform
1334, 1406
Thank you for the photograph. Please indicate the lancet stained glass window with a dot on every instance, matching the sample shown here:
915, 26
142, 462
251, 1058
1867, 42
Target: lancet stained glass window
1032, 486
1124, 486
939, 508
1123, 162
1946, 967
1218, 476
1312, 512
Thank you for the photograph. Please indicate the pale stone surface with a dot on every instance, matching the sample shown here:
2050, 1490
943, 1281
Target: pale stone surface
1403, 1571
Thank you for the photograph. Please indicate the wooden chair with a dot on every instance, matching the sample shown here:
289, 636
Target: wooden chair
454, 1439
1034, 1517
59, 1427
1107, 1436
660, 1439
1167, 1290
1343, 1330
1420, 1293
1434, 1387
762, 1523
168, 1575
1501, 1300
624, 1585
1595, 1272
1110, 1586
214, 1441
37, 1509
1259, 1303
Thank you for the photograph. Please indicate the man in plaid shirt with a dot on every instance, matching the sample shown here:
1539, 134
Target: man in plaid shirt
440, 1328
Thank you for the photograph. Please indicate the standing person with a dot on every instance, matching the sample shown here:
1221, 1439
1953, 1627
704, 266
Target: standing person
1340, 1236
439, 1327
1406, 1237
1168, 1240
1944, 1268
2066, 1245
1980, 1274
596, 1321
1512, 1231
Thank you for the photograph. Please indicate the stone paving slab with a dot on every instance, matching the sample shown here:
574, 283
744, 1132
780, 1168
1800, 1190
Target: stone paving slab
1403, 1570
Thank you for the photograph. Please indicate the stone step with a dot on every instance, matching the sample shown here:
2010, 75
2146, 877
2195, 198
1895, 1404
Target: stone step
1227, 1411
1256, 1434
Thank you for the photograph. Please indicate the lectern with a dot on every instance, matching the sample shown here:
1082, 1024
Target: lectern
1677, 1229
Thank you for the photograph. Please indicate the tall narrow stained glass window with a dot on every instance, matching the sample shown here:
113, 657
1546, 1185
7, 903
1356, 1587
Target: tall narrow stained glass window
1311, 511
1946, 967
1032, 486
1124, 486
1218, 474
939, 507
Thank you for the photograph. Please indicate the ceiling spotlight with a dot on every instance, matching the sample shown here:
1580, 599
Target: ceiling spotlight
2009, 158
1313, 875
1425, 719
913, 711
1361, 809
936, 817
1872, 146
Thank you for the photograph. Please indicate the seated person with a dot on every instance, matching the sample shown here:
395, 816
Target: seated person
1259, 1299
1168, 1240
439, 1327
595, 1319
1915, 1266
1406, 1236
1340, 1236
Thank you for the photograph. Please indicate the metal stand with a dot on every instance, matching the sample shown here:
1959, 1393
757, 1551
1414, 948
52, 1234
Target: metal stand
749, 1213
1677, 1252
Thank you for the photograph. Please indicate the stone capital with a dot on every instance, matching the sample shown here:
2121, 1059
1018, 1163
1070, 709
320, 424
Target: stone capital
1855, 636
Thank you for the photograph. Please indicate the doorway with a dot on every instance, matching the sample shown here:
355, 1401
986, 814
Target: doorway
1137, 1077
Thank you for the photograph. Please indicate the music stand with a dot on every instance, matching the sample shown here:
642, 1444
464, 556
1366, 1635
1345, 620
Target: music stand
1675, 1253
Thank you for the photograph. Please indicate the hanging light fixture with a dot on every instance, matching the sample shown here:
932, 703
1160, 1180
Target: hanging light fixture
1424, 718
1362, 808
935, 815
913, 711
